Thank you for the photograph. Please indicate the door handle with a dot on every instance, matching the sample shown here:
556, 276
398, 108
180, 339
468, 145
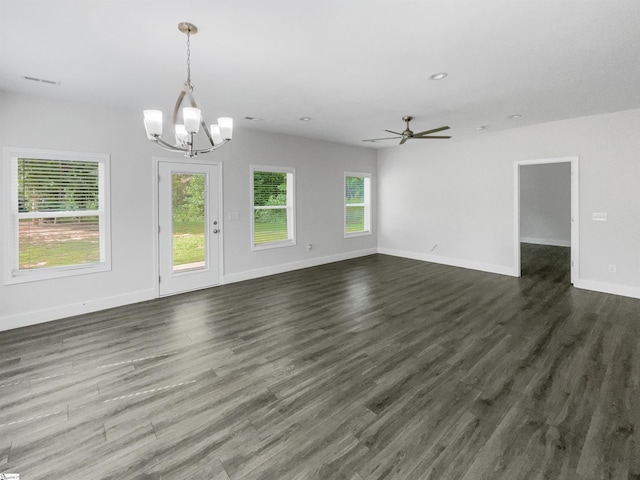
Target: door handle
215, 230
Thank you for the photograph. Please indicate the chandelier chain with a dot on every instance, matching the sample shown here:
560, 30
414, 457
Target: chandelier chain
189, 58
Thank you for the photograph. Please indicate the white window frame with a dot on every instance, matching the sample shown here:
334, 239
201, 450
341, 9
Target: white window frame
290, 207
367, 203
10, 216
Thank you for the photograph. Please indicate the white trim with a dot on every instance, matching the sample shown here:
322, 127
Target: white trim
155, 248
60, 214
274, 244
63, 311
452, 262
290, 208
368, 211
288, 267
156, 219
611, 288
575, 212
358, 234
221, 224
546, 241
592, 285
12, 275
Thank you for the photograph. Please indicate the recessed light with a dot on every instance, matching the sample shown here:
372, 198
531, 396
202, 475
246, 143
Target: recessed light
515, 116
305, 119
482, 127
438, 76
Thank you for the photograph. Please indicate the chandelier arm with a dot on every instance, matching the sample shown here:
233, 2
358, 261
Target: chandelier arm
179, 101
193, 103
186, 150
206, 130
168, 146
207, 150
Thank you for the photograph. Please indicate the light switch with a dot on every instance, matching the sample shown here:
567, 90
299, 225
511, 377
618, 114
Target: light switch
233, 216
599, 216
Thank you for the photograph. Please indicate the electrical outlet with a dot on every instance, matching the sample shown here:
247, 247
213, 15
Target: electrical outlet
612, 269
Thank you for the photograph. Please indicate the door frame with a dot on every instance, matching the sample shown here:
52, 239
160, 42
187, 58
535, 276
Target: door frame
156, 215
575, 212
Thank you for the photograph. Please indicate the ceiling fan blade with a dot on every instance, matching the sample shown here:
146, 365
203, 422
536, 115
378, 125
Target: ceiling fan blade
434, 136
427, 132
395, 133
376, 139
404, 139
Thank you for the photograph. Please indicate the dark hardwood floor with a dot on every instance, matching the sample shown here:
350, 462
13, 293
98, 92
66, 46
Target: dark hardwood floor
373, 368
546, 263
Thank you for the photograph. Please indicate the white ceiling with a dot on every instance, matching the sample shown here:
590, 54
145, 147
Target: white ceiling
354, 66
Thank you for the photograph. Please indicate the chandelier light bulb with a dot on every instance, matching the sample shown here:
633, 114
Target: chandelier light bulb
181, 134
191, 119
215, 134
153, 123
226, 127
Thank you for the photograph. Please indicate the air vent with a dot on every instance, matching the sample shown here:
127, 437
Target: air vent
40, 80
253, 119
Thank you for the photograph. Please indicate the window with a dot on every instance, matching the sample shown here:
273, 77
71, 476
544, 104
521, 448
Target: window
357, 208
58, 214
272, 199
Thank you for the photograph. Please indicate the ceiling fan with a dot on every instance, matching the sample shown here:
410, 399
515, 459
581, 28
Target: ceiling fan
407, 134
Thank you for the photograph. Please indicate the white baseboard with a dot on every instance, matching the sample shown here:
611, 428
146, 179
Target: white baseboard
25, 319
453, 262
612, 288
546, 241
288, 267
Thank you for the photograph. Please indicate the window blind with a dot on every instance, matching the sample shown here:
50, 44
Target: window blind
59, 208
356, 204
272, 207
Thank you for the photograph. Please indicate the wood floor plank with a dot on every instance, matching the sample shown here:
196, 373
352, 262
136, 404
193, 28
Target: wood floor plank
369, 369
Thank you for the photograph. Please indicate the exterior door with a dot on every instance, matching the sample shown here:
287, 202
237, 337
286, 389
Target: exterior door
188, 227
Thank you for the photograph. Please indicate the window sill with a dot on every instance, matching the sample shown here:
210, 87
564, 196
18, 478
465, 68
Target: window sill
53, 273
357, 234
268, 246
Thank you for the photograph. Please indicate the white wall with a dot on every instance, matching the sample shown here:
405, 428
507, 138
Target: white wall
458, 194
320, 168
545, 204
28, 121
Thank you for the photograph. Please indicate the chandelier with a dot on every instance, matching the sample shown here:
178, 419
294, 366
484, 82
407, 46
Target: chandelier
217, 134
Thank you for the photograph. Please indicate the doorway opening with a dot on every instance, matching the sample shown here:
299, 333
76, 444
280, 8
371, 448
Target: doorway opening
546, 233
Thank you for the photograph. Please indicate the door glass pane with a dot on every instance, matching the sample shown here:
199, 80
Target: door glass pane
188, 204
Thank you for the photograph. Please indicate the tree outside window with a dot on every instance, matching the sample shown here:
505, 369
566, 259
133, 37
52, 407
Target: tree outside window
357, 187
273, 216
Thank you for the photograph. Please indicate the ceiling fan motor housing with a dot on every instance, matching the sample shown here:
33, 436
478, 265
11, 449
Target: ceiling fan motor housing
407, 134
